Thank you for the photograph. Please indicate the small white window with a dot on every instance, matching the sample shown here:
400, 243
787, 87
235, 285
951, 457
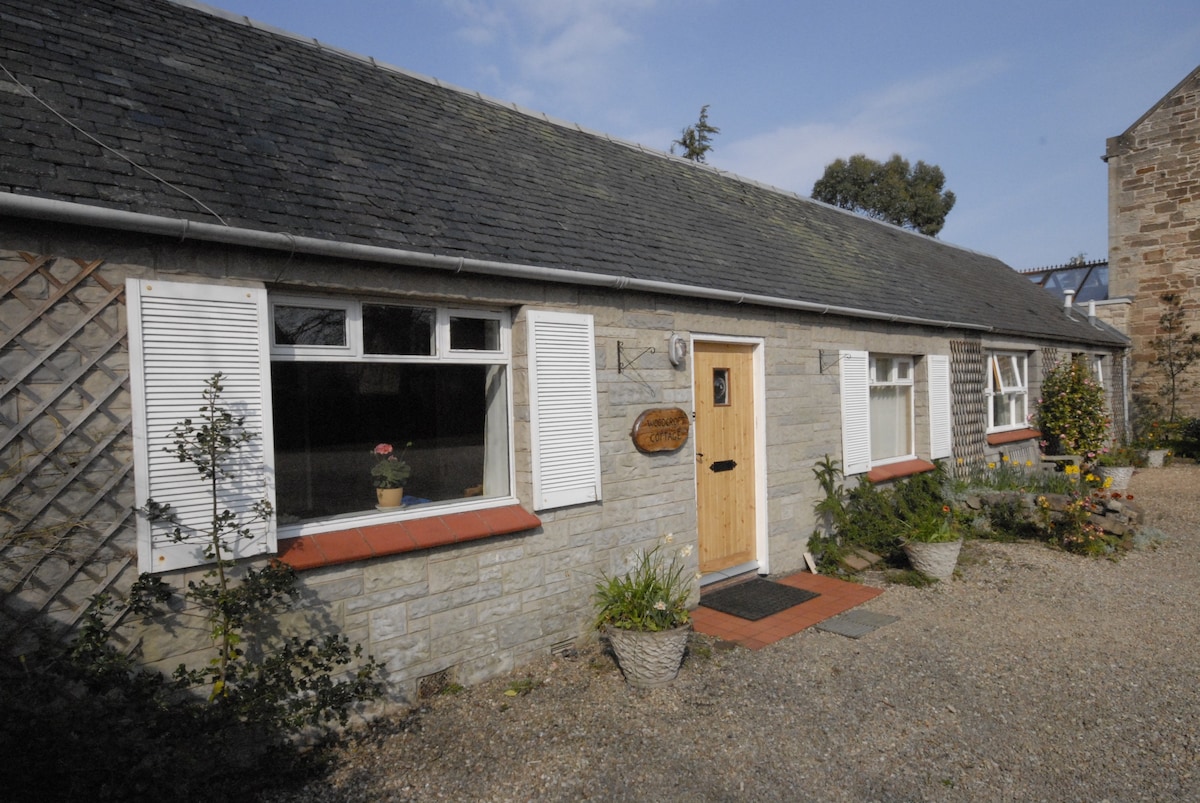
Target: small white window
1007, 390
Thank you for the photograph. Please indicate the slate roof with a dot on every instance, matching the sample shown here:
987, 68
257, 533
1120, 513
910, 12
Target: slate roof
276, 133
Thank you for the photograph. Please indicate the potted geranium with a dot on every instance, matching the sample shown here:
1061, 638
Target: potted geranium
644, 613
388, 475
932, 543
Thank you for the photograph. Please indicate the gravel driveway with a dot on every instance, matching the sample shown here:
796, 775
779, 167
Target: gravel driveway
1035, 675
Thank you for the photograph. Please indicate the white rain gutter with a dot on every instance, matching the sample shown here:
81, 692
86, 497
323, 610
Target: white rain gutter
84, 215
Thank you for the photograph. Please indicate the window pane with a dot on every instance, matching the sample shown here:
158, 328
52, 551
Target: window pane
720, 387
1009, 376
891, 418
309, 326
1007, 408
474, 334
397, 330
330, 415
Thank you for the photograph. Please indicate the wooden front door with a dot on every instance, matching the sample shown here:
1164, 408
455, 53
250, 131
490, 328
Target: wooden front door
725, 461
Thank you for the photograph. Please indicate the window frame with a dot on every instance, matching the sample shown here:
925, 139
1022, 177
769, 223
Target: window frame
442, 354
1020, 392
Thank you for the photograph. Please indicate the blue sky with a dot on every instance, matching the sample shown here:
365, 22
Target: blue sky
1014, 100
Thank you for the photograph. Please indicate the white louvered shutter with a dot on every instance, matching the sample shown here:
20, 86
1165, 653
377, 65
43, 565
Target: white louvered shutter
563, 420
180, 335
940, 421
856, 412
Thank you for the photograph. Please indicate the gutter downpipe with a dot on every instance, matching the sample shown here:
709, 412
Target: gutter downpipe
81, 214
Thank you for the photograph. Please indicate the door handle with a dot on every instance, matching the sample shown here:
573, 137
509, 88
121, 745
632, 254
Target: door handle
723, 465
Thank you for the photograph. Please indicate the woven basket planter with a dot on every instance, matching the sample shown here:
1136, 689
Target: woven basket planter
1120, 476
649, 659
934, 560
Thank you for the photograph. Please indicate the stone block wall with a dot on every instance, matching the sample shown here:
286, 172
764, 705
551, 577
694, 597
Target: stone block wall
482, 608
1154, 222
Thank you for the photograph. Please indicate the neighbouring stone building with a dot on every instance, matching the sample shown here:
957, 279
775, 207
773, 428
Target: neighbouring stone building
1154, 223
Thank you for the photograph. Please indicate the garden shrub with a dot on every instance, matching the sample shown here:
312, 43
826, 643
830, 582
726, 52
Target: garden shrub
1188, 443
82, 722
1071, 412
874, 517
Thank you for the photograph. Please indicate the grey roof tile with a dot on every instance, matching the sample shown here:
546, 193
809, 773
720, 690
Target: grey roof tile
276, 133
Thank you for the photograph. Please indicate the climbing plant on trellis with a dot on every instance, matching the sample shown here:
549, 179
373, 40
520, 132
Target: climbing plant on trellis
66, 468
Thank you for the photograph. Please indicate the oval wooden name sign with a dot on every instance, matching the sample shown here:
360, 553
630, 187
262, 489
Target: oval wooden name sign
661, 430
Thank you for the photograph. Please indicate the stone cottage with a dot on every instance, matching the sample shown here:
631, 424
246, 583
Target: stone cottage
580, 345
1154, 223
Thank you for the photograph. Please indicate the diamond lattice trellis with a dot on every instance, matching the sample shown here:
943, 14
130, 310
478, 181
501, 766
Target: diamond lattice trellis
968, 388
66, 471
1116, 397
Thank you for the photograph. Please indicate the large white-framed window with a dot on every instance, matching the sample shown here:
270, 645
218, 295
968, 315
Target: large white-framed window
1007, 390
347, 375
891, 392
878, 411
325, 379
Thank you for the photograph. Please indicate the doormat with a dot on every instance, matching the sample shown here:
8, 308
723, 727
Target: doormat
856, 623
755, 599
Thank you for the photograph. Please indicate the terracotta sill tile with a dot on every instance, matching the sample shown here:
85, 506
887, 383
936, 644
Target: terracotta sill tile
301, 553
468, 526
342, 547
510, 519
428, 533
1000, 438
388, 539
905, 468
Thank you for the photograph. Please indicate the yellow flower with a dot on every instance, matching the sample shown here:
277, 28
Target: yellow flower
1028, 464
1004, 458
991, 465
1091, 477
1107, 482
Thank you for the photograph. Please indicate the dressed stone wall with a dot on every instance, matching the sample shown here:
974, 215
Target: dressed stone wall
485, 607
1154, 223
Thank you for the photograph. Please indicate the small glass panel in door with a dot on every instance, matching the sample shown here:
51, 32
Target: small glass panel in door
720, 387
